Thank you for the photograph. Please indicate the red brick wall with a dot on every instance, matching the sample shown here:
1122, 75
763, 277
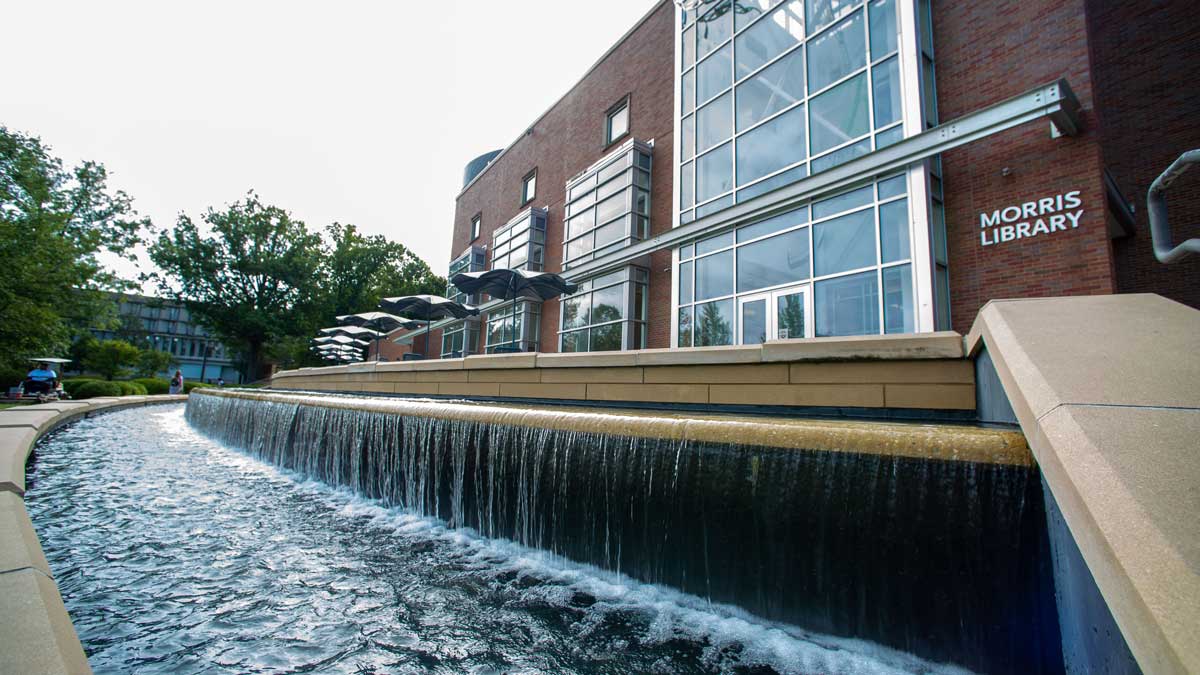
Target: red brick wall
391, 351
984, 53
568, 139
1146, 56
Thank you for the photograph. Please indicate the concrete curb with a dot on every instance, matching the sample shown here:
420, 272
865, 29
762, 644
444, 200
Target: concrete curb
36, 634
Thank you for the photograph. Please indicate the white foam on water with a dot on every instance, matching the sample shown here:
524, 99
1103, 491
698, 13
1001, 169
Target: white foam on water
732, 636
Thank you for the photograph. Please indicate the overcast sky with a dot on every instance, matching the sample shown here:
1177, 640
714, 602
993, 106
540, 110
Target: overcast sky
359, 112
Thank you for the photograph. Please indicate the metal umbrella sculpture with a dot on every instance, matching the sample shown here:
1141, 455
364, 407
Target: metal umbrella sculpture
382, 322
428, 308
356, 332
506, 284
340, 340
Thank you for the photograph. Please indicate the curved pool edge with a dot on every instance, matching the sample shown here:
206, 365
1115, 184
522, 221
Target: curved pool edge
36, 633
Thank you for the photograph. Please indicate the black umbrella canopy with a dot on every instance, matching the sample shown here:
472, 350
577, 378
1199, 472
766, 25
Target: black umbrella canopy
428, 307
381, 321
506, 284
340, 340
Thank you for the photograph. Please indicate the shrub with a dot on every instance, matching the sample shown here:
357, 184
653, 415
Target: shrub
11, 377
153, 385
189, 386
131, 388
95, 388
72, 385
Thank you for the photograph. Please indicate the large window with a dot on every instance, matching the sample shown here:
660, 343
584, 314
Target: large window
475, 223
514, 327
528, 187
616, 122
853, 250
608, 206
775, 91
607, 313
521, 244
474, 260
460, 339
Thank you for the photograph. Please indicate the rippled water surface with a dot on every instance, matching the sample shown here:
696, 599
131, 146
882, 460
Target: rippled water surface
175, 554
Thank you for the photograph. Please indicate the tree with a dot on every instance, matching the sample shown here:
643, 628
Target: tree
54, 223
253, 279
111, 358
357, 271
151, 362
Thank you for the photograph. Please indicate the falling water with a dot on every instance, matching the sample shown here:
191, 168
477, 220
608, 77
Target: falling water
943, 559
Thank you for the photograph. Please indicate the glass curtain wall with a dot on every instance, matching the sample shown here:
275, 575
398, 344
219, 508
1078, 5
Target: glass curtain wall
461, 338
853, 250
774, 91
519, 245
607, 313
608, 206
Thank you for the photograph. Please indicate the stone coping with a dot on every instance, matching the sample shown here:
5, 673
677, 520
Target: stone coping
36, 634
1107, 390
941, 345
923, 441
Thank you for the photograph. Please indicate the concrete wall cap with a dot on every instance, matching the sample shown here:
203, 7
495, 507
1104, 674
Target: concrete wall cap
521, 360
699, 355
939, 345
587, 359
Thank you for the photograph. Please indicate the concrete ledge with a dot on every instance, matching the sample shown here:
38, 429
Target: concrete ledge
36, 635
941, 345
926, 441
1107, 390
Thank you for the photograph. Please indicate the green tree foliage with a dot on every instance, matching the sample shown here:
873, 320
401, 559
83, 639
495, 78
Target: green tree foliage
151, 362
54, 223
251, 278
111, 358
357, 271
712, 328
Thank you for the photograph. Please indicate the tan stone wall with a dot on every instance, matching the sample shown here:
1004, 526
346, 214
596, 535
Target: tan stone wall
911, 371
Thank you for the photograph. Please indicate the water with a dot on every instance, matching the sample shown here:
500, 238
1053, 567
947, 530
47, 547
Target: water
177, 554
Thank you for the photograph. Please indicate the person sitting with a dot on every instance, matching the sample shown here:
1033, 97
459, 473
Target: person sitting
176, 383
40, 380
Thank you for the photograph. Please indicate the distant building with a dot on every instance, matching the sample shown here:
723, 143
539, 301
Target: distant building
165, 325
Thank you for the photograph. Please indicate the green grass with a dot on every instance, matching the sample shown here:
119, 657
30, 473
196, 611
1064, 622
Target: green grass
8, 405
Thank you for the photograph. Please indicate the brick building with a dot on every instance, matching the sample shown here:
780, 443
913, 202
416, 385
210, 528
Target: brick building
740, 171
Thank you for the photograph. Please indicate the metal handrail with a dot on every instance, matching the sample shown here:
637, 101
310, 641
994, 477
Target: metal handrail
1156, 206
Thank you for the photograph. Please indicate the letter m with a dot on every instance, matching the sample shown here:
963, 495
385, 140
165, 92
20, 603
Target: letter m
987, 221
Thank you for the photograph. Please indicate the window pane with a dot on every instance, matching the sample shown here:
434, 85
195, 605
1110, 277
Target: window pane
749, 10
612, 207
578, 247
841, 155
844, 243
687, 137
771, 90
886, 81
714, 123
606, 338
714, 243
612, 186
893, 231
754, 322
839, 115
892, 187
836, 53
821, 13
686, 179
898, 300
575, 342
943, 297
575, 311
773, 224
789, 316
714, 28
610, 233
770, 37
772, 146
608, 304
714, 323
581, 223
689, 47
714, 275
773, 261
847, 305
714, 173
883, 28
780, 179
714, 74
685, 327
685, 283
687, 92
843, 202
618, 123
714, 206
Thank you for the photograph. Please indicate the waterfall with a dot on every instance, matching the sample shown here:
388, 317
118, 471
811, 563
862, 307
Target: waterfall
947, 559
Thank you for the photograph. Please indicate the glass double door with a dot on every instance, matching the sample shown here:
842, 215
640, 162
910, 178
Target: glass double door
775, 315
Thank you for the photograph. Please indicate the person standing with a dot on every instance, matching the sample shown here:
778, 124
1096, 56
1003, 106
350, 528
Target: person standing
176, 383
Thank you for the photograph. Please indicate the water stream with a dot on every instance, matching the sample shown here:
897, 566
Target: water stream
177, 553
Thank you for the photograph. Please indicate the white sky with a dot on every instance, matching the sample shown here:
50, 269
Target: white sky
359, 112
